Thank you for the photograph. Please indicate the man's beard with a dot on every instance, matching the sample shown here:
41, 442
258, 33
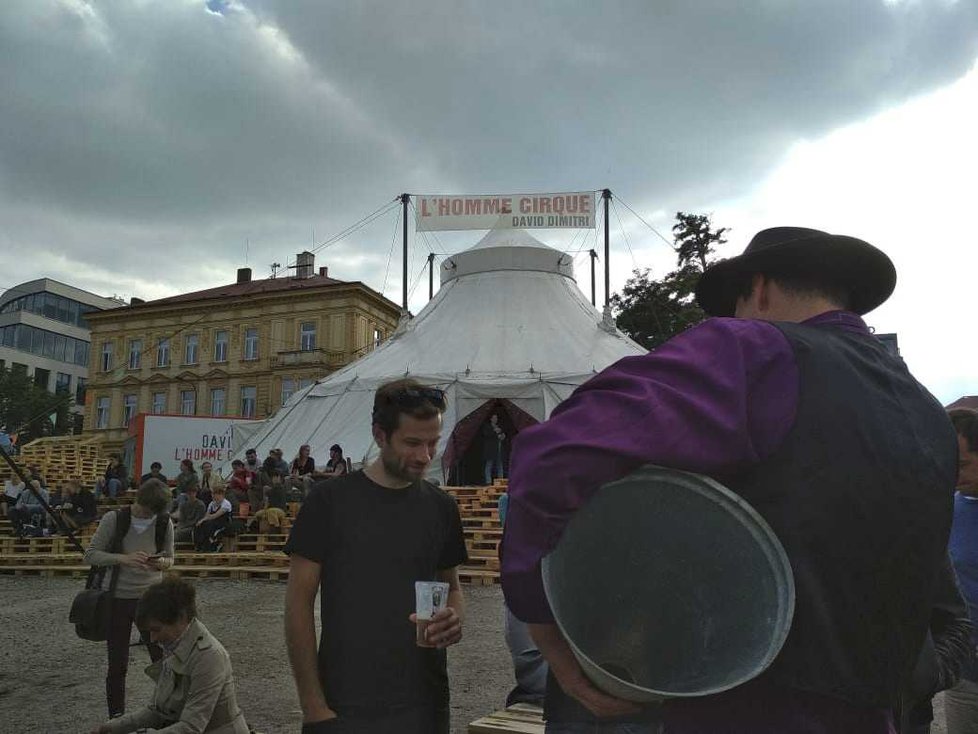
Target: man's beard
394, 468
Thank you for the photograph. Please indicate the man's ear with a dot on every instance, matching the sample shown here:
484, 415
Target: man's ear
762, 286
379, 436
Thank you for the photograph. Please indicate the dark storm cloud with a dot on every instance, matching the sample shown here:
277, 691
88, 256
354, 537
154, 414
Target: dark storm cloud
151, 140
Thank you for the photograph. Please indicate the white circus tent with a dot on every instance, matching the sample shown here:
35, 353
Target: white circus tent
509, 327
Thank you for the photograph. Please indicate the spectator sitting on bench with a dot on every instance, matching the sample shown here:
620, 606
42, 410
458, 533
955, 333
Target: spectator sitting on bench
273, 512
185, 478
28, 511
209, 481
56, 497
11, 492
337, 465
115, 479
240, 481
155, 472
218, 517
252, 464
271, 467
78, 506
302, 471
187, 515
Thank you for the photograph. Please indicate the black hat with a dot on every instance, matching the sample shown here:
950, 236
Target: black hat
866, 272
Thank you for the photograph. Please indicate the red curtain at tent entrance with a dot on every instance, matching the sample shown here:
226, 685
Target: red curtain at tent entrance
467, 429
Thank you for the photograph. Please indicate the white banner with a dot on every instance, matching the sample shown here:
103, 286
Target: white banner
509, 211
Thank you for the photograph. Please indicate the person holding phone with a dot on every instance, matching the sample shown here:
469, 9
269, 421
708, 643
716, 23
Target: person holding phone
138, 540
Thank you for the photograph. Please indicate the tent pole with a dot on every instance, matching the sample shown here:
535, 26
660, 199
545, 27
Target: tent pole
594, 256
606, 195
431, 275
405, 200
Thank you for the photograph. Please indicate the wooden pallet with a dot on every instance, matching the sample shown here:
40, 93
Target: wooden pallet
61, 458
521, 718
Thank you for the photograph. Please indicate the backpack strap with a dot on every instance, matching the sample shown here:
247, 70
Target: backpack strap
162, 521
123, 521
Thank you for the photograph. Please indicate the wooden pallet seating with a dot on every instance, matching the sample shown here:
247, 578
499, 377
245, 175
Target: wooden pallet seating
61, 458
520, 718
251, 554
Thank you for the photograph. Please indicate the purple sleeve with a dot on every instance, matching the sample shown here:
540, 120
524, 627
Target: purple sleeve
714, 400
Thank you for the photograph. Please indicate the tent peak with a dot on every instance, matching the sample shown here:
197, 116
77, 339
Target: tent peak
507, 249
508, 238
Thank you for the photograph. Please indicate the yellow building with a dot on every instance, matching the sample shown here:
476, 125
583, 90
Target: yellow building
237, 350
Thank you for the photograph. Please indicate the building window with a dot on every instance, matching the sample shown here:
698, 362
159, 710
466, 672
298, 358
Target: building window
218, 401
38, 341
62, 383
51, 306
307, 336
190, 349
159, 403
135, 354
305, 382
220, 346
251, 344
50, 344
102, 413
81, 352
288, 389
188, 402
163, 352
128, 410
378, 337
249, 400
106, 363
80, 384
42, 377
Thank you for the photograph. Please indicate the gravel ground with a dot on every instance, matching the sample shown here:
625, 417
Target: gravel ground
52, 682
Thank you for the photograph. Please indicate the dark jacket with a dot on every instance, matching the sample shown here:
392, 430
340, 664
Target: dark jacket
860, 495
82, 505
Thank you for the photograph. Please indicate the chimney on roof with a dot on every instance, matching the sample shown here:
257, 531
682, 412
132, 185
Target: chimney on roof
305, 265
324, 271
136, 301
244, 275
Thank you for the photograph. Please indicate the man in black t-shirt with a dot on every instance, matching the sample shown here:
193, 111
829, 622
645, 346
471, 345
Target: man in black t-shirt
363, 540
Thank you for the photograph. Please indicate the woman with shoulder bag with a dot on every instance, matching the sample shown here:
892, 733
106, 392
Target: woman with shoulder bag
194, 683
136, 543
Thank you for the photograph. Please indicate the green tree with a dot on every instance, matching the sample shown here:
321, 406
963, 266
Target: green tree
31, 411
653, 311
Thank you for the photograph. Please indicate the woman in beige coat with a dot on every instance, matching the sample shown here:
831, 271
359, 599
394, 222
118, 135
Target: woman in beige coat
194, 683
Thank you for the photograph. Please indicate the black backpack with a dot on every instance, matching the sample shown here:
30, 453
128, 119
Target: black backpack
91, 608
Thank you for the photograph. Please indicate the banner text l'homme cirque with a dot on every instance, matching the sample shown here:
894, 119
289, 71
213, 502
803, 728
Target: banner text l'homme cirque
509, 211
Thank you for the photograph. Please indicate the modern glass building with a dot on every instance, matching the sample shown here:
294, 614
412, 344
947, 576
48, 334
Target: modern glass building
44, 331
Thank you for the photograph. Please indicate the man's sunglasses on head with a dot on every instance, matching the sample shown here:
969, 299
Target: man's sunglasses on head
410, 397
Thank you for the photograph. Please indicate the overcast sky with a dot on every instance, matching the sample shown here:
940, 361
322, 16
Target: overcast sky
150, 148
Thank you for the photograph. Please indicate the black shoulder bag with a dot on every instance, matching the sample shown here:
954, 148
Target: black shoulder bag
92, 607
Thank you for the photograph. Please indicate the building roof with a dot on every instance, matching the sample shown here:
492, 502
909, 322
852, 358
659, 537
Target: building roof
50, 285
250, 288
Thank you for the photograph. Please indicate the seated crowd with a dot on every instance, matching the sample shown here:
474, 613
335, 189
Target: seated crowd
207, 508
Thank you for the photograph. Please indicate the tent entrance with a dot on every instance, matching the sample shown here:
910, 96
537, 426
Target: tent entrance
470, 446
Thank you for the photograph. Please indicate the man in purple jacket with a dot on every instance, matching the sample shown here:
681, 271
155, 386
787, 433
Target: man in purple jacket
794, 405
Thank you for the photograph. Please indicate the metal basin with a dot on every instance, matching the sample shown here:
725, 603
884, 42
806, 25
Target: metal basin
667, 584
